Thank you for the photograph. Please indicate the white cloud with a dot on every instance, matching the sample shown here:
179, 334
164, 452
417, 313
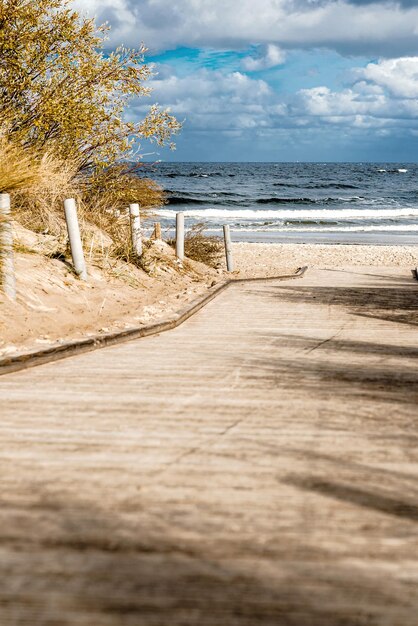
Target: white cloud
269, 56
214, 101
385, 97
399, 76
380, 99
321, 101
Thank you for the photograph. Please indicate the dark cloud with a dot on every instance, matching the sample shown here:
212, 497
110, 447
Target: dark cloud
402, 3
110, 15
310, 4
352, 27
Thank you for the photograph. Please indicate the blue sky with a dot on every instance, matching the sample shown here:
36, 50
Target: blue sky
278, 80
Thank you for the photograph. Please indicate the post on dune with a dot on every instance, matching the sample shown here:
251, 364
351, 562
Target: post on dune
157, 231
228, 249
180, 236
135, 229
8, 281
73, 228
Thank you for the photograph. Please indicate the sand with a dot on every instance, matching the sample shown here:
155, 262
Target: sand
267, 259
54, 306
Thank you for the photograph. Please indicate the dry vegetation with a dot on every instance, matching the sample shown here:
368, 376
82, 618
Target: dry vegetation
39, 184
19, 167
39, 206
203, 248
105, 198
62, 129
63, 135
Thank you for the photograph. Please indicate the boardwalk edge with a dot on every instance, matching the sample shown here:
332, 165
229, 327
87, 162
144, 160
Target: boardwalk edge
73, 348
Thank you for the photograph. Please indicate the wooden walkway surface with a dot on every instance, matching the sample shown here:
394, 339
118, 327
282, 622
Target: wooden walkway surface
257, 465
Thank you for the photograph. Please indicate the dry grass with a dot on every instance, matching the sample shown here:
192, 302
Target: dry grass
19, 168
203, 248
106, 198
118, 186
102, 200
39, 207
41, 185
159, 258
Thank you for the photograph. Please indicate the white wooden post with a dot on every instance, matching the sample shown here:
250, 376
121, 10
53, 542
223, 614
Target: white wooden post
180, 236
136, 229
228, 249
8, 281
75, 239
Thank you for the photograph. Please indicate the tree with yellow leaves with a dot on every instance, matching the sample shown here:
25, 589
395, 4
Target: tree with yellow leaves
60, 92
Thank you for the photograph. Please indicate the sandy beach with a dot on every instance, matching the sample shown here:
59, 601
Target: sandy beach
261, 259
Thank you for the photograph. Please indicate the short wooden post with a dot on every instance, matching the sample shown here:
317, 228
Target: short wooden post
228, 249
180, 236
136, 229
75, 239
8, 280
157, 230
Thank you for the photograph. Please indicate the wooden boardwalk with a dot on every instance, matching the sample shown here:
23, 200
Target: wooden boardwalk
257, 465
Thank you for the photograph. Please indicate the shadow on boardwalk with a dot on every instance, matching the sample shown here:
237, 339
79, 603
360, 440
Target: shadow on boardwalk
343, 367
83, 566
327, 378
389, 303
304, 512
397, 507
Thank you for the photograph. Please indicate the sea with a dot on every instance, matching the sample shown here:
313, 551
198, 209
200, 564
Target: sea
294, 202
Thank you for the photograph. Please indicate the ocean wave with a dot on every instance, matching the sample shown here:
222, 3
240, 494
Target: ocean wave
192, 174
222, 198
203, 175
317, 185
276, 200
321, 229
306, 222
332, 186
185, 200
311, 214
226, 194
330, 200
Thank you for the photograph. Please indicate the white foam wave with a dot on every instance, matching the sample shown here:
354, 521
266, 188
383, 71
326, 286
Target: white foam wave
358, 229
401, 170
311, 214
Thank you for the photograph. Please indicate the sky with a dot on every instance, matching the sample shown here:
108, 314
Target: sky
277, 80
